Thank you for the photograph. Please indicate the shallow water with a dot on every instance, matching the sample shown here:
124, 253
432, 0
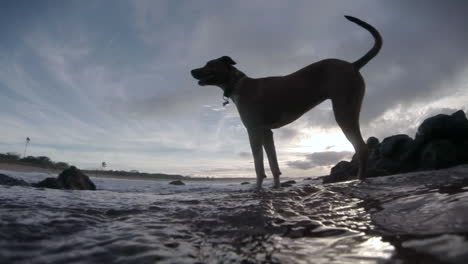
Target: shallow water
137, 221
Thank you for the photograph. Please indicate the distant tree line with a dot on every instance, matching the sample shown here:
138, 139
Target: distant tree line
136, 173
40, 161
46, 162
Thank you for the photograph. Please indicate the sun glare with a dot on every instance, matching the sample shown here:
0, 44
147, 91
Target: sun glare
323, 140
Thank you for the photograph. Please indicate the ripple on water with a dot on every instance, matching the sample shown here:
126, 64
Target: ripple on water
301, 224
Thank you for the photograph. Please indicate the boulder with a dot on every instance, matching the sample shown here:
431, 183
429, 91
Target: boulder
10, 181
288, 183
343, 171
372, 142
377, 172
441, 142
70, 179
438, 154
392, 147
390, 165
74, 179
454, 127
49, 182
177, 182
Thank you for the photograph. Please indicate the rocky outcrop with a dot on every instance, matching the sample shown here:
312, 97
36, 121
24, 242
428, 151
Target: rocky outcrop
10, 181
49, 182
441, 142
70, 179
288, 183
177, 182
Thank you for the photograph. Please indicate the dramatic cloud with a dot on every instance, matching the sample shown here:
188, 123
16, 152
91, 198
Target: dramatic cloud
320, 159
109, 80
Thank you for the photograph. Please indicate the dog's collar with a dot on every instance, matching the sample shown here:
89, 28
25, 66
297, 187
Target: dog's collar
232, 86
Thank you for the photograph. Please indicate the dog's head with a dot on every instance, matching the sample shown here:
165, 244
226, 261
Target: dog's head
215, 72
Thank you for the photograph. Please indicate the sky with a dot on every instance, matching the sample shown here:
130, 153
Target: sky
94, 81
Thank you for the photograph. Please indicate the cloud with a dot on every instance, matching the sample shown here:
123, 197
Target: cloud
245, 155
109, 78
320, 159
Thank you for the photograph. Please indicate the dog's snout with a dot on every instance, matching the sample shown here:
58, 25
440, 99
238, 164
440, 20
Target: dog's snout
193, 72
196, 73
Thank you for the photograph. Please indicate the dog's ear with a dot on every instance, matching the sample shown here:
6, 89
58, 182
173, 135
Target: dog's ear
228, 60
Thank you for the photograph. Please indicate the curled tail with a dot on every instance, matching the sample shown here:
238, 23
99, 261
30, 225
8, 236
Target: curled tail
377, 45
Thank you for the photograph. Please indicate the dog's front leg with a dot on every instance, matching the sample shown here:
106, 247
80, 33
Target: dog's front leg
269, 145
256, 143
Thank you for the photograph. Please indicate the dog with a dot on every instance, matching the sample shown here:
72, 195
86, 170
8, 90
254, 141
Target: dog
272, 102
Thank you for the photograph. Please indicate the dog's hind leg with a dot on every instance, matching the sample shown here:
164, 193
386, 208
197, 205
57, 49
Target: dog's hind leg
269, 145
346, 113
256, 143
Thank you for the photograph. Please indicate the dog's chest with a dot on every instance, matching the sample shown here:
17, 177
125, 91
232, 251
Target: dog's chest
265, 116
280, 119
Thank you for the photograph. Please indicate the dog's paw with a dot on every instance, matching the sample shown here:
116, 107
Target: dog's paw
364, 180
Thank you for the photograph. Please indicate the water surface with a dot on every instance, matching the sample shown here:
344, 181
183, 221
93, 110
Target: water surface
139, 221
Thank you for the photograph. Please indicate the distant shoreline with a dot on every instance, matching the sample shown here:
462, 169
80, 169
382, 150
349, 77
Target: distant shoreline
13, 166
16, 166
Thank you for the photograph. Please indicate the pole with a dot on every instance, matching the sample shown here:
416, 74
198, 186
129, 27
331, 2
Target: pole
26, 147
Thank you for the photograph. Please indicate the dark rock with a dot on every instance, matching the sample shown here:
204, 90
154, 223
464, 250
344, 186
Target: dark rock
73, 179
462, 151
172, 244
10, 181
443, 126
376, 172
438, 154
372, 142
177, 182
392, 166
441, 142
49, 182
288, 183
343, 171
70, 179
394, 146
244, 183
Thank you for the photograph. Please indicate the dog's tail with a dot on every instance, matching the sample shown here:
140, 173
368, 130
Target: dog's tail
377, 45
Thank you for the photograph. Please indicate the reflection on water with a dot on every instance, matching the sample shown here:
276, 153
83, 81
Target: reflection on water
128, 221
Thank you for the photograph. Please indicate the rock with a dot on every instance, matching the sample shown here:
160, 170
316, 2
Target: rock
462, 151
438, 154
10, 181
443, 126
73, 179
392, 166
70, 179
371, 173
343, 171
49, 182
244, 183
177, 182
441, 142
288, 183
372, 142
394, 146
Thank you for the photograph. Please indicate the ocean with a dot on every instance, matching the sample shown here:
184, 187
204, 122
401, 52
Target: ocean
215, 221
